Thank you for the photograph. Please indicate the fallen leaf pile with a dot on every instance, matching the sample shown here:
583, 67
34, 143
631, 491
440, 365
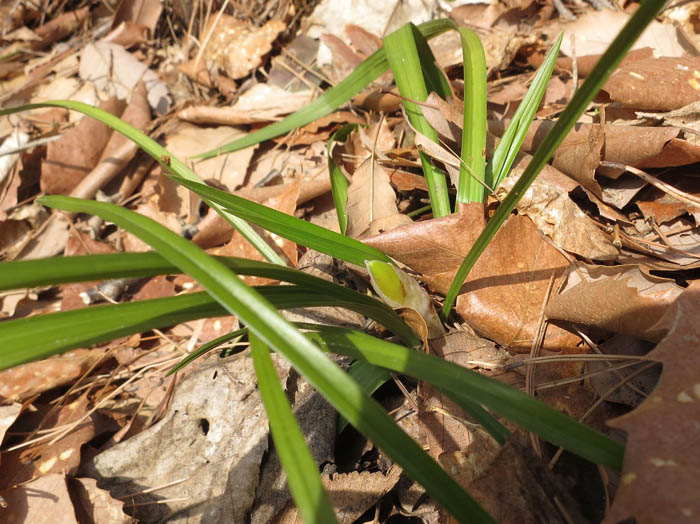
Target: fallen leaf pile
600, 257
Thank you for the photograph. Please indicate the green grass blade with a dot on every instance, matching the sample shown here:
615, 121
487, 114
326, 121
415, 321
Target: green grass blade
458, 382
206, 348
302, 472
58, 270
369, 377
605, 66
508, 147
409, 65
339, 184
363, 75
25, 339
473, 166
263, 319
162, 156
299, 231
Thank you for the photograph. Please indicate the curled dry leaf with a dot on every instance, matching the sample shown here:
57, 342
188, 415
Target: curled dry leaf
351, 494
70, 158
548, 204
260, 103
620, 299
662, 433
586, 145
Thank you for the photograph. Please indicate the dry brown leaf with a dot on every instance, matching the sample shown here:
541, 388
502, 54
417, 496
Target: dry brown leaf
238, 47
515, 486
507, 287
26, 380
42, 501
587, 144
61, 26
70, 158
228, 171
320, 129
361, 142
351, 494
370, 198
286, 202
662, 433
8, 415
620, 299
585, 64
52, 456
661, 84
142, 12
445, 117
592, 33
260, 103
112, 69
96, 504
119, 150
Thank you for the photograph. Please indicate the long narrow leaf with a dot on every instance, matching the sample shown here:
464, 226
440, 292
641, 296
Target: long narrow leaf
408, 66
264, 320
339, 184
369, 377
59, 270
605, 66
30, 338
162, 156
363, 75
473, 166
302, 473
299, 231
508, 147
205, 348
458, 383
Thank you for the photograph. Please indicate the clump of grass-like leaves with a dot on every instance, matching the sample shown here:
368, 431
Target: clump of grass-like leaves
31, 338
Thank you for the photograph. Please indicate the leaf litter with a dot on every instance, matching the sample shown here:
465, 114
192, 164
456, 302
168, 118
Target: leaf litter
598, 256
